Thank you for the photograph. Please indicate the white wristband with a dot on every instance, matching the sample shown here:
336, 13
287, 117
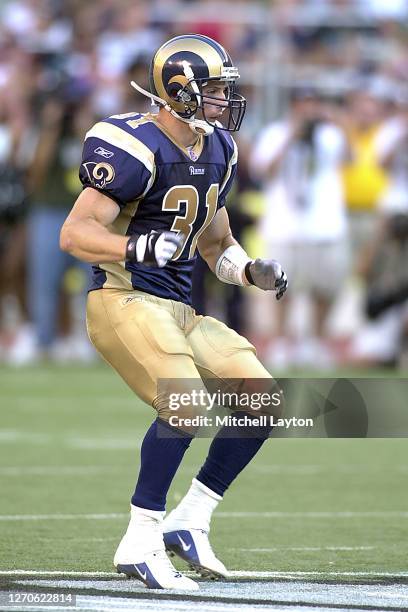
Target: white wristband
230, 266
141, 246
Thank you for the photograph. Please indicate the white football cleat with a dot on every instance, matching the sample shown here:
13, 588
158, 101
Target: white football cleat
186, 529
193, 546
141, 554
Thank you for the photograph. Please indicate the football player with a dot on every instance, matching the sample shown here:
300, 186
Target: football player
154, 191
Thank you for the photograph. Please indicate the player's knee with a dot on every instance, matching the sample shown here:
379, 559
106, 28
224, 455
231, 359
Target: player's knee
182, 408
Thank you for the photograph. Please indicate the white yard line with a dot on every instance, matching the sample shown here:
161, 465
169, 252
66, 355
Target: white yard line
93, 444
63, 517
62, 470
337, 514
58, 573
385, 595
228, 515
104, 539
305, 548
72, 441
87, 603
252, 574
13, 435
234, 574
111, 444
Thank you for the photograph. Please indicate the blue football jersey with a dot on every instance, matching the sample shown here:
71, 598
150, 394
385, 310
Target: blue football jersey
158, 185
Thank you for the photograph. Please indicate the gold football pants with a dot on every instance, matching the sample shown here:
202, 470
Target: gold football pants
146, 338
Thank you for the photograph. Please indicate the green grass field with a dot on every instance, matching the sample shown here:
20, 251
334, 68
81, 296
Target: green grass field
69, 440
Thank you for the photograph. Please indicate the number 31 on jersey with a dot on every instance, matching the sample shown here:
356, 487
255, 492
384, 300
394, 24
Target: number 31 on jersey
188, 195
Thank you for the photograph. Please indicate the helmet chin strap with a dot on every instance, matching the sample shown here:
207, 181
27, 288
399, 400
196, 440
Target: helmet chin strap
198, 126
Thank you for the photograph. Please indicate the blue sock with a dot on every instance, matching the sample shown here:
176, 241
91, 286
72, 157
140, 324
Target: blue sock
162, 450
231, 450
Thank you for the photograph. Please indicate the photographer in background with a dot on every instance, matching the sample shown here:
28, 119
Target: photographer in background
384, 266
63, 118
298, 161
383, 260
365, 177
12, 228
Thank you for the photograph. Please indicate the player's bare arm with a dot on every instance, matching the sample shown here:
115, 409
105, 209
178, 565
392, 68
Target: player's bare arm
232, 265
216, 239
86, 235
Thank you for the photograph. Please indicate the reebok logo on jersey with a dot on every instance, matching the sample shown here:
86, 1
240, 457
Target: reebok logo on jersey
133, 298
104, 152
185, 546
194, 171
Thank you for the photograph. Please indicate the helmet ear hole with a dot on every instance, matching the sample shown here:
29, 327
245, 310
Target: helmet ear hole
179, 93
173, 90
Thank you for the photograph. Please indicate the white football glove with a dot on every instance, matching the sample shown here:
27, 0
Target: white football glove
267, 274
154, 249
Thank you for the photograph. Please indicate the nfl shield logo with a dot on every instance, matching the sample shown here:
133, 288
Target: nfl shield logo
192, 155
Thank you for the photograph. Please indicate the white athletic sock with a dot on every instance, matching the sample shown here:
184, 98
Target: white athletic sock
145, 525
195, 509
143, 535
143, 514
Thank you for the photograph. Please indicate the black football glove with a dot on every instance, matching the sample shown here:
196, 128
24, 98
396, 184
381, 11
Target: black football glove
267, 274
154, 249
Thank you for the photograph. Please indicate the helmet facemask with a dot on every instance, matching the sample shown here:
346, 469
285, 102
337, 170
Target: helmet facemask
234, 105
194, 100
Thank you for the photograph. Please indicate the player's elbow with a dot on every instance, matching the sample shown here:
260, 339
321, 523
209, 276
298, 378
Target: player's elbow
67, 242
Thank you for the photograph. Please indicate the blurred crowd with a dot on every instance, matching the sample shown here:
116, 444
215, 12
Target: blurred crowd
323, 171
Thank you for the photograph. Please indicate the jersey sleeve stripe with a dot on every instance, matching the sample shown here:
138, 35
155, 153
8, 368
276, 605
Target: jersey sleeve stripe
117, 137
232, 162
